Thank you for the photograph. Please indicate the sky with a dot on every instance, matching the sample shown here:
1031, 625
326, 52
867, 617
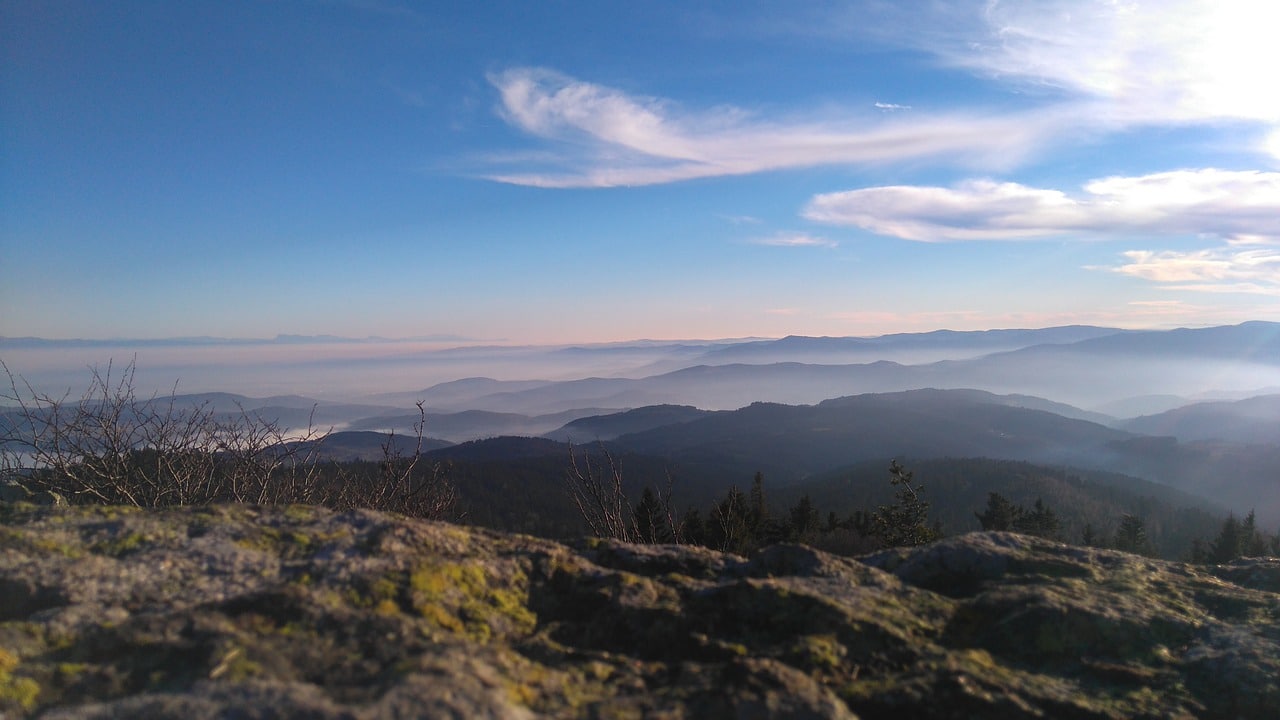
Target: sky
564, 171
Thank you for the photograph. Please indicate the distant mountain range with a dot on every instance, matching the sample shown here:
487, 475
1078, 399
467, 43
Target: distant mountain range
1082, 366
1197, 409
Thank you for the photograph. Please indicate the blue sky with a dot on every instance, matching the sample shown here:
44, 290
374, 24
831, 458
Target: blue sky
595, 171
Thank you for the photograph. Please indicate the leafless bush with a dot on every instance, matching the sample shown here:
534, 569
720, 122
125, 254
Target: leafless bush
113, 447
403, 484
598, 493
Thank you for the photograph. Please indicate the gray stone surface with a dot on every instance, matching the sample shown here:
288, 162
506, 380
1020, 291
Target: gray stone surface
293, 612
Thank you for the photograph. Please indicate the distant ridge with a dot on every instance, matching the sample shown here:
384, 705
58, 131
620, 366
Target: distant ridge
1253, 420
202, 340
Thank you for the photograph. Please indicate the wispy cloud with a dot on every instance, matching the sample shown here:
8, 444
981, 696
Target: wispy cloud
1221, 270
794, 239
1240, 205
610, 138
1104, 66
1151, 60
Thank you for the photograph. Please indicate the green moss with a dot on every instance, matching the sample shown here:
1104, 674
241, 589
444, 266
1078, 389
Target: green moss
387, 607
37, 543
461, 598
123, 545
284, 543
817, 652
384, 588
235, 667
301, 513
67, 672
15, 692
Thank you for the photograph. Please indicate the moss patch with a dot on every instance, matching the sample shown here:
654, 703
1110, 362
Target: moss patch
464, 598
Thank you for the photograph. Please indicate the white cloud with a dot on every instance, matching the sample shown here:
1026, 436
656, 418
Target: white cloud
1243, 206
1152, 60
610, 138
1099, 66
1271, 144
1254, 271
793, 239
741, 219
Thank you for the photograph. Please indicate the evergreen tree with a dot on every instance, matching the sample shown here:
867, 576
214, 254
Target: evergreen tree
764, 530
759, 510
650, 520
1000, 513
1132, 535
695, 530
1255, 543
1237, 539
1229, 543
1088, 536
1199, 553
906, 521
1039, 521
804, 519
833, 522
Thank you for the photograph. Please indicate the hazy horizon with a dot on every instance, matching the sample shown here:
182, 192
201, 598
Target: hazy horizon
333, 369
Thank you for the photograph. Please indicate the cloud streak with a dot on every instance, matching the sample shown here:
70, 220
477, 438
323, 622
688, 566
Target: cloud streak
1107, 65
610, 138
792, 239
1220, 270
1242, 206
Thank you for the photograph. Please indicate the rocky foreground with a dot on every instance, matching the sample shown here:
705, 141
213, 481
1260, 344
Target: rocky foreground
253, 612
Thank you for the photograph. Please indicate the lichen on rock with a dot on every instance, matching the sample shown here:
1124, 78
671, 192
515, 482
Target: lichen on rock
232, 610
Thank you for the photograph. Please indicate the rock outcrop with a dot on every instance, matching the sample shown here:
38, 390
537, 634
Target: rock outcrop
293, 612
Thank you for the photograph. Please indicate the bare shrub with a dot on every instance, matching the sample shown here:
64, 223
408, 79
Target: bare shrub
113, 447
598, 493
403, 483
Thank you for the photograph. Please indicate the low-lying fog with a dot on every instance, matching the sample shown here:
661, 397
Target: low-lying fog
1110, 371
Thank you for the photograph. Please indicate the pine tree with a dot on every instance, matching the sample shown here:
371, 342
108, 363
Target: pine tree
695, 530
650, 521
1229, 544
1088, 536
758, 511
1132, 535
906, 521
1039, 521
1255, 543
1000, 513
804, 519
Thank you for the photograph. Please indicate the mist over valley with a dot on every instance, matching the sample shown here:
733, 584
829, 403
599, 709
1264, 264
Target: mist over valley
794, 408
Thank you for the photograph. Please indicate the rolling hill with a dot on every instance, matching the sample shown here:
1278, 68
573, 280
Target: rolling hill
1253, 420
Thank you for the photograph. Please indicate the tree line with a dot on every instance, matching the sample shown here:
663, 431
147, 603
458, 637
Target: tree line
742, 522
111, 446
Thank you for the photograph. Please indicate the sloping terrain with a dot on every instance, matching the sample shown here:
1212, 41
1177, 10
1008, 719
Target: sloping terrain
472, 424
241, 611
608, 427
791, 441
1252, 420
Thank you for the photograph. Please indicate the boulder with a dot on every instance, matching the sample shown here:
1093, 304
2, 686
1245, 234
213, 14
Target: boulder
283, 612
